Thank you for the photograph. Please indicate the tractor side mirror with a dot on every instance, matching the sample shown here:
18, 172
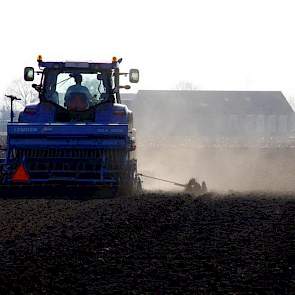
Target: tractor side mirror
29, 74
99, 77
133, 76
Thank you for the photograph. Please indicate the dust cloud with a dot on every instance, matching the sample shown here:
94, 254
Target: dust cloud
241, 169
177, 142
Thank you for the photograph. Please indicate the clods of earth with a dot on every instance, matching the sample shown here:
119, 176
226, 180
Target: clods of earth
155, 243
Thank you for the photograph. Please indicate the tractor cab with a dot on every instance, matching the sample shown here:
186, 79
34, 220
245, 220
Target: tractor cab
73, 91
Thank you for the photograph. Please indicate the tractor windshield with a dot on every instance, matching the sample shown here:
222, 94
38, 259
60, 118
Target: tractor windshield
56, 85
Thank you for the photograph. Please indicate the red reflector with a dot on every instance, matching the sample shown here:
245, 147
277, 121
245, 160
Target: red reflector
21, 174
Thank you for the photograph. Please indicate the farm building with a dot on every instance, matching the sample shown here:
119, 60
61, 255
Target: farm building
212, 113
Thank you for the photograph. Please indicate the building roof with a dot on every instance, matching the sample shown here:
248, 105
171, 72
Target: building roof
214, 102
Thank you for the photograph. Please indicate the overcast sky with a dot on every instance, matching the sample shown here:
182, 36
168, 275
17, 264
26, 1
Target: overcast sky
222, 44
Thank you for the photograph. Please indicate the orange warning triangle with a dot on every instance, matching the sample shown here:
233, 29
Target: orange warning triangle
21, 174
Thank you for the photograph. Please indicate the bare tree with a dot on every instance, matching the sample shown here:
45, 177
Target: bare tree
23, 90
185, 85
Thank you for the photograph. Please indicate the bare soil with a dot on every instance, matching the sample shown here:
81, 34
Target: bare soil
152, 244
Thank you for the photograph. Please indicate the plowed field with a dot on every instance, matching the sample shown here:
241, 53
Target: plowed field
151, 244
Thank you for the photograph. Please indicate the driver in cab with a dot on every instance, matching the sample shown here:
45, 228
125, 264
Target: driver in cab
77, 97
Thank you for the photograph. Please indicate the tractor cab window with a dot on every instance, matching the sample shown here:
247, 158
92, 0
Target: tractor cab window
95, 86
90, 81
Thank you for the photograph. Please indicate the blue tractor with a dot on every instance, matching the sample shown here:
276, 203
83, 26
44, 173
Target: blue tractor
77, 137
